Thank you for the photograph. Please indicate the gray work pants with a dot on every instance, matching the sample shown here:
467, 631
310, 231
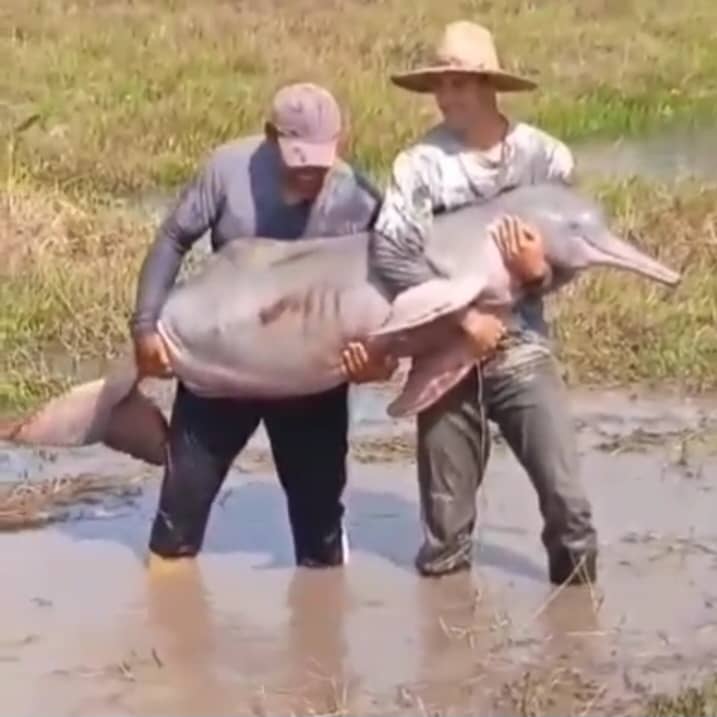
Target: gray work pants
524, 394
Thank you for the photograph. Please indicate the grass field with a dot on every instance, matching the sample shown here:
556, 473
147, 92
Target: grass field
130, 94
119, 98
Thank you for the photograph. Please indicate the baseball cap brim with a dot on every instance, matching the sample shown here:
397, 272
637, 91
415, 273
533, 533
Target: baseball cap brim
298, 153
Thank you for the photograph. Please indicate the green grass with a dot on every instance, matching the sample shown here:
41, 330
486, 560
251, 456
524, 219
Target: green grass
67, 276
130, 95
617, 328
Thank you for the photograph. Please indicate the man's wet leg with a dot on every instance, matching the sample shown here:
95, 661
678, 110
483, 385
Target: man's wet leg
529, 403
309, 442
452, 451
205, 436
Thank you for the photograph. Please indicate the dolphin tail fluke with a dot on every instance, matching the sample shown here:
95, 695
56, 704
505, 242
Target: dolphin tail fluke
110, 410
431, 376
138, 428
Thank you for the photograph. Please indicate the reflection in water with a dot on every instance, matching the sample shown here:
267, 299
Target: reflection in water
179, 614
455, 622
572, 646
316, 657
477, 654
212, 662
571, 623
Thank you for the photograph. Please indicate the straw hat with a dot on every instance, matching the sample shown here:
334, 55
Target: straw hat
464, 47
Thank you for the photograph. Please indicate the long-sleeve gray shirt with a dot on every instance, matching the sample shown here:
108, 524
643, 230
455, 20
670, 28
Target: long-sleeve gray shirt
236, 194
440, 173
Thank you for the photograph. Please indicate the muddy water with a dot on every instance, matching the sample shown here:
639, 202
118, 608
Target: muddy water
86, 627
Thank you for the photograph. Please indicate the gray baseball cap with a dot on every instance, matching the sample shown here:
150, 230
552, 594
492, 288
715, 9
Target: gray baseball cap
308, 121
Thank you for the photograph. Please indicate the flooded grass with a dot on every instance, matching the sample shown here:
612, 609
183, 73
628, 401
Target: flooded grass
566, 691
34, 504
130, 95
699, 701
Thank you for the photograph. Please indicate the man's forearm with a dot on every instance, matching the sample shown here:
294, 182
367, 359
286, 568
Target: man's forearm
157, 275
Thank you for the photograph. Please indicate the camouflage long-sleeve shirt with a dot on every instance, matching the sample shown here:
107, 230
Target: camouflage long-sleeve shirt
439, 173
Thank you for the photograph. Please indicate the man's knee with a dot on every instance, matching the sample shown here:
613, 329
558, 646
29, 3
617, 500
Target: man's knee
453, 438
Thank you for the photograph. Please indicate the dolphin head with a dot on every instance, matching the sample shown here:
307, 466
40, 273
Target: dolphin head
576, 235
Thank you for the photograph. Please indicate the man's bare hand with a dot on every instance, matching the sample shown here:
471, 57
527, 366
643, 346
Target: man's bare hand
359, 367
522, 249
151, 356
485, 331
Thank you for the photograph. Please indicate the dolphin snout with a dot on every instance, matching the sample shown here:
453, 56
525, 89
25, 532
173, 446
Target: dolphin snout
613, 251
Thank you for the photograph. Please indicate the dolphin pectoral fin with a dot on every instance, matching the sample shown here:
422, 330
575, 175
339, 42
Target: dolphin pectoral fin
138, 428
429, 301
431, 376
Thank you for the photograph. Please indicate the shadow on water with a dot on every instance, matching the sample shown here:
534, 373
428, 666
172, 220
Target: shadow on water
250, 517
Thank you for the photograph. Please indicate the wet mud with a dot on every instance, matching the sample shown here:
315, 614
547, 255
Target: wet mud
87, 627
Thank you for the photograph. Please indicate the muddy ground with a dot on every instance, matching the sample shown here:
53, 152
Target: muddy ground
86, 628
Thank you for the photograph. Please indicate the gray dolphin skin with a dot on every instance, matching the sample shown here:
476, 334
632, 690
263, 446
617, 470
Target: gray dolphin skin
268, 319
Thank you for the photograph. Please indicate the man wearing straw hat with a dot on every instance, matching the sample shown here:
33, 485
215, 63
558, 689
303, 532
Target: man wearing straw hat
471, 156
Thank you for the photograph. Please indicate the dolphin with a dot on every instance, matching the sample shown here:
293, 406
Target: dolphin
268, 319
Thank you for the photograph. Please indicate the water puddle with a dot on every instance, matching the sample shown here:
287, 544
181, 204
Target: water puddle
665, 157
241, 631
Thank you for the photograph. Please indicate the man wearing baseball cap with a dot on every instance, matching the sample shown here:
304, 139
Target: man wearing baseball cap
283, 184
